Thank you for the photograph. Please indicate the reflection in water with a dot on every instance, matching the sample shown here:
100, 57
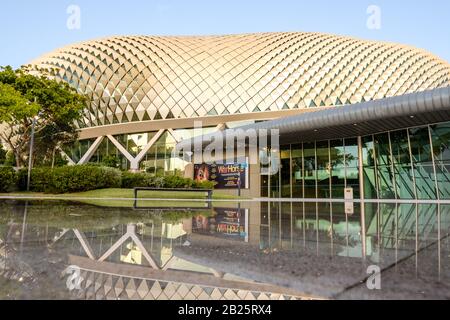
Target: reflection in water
251, 251
393, 231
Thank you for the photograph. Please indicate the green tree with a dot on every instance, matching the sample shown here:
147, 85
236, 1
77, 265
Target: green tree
10, 159
2, 154
27, 94
110, 161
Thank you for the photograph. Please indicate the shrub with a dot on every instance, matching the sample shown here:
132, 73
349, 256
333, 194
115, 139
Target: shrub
141, 180
2, 154
60, 161
112, 177
134, 180
177, 182
110, 161
40, 181
10, 159
146, 180
91, 177
84, 178
8, 179
70, 179
203, 184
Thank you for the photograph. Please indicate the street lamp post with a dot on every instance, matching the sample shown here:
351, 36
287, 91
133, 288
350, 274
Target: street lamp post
30, 157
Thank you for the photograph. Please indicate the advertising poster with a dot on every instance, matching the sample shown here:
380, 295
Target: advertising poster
227, 223
226, 176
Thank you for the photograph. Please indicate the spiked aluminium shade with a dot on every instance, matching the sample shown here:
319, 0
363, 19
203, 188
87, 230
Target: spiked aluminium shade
147, 78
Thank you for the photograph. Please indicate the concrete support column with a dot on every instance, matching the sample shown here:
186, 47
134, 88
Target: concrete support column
88, 155
134, 164
121, 148
134, 161
65, 156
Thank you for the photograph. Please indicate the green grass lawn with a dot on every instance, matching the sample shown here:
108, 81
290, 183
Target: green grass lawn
119, 197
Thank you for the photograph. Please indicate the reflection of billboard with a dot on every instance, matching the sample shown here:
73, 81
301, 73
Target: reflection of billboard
226, 176
227, 223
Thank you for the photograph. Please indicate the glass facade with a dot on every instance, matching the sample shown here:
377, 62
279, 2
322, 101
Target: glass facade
392, 231
78, 149
406, 164
158, 160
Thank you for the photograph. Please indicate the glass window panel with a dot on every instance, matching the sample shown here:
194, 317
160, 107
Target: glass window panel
137, 142
337, 159
309, 170
370, 180
275, 185
384, 174
427, 224
148, 164
102, 150
351, 165
423, 163
323, 170
285, 173
443, 179
402, 165
264, 186
297, 171
406, 223
351, 153
298, 225
440, 134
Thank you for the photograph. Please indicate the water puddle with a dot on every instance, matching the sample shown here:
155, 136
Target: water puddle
251, 250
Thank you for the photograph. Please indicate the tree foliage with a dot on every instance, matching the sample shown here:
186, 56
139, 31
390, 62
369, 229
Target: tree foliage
2, 154
26, 94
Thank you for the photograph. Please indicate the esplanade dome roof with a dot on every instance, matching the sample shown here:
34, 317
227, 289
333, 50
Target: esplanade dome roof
140, 78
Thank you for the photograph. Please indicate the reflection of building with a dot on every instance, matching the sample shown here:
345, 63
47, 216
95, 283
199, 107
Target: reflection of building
149, 256
138, 275
392, 230
366, 132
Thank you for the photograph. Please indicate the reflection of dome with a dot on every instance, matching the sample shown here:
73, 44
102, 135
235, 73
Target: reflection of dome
140, 78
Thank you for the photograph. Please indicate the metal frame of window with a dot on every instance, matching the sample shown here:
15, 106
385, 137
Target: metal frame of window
361, 165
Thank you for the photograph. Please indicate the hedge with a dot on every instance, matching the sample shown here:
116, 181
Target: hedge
8, 179
146, 180
70, 179
81, 178
39, 182
84, 178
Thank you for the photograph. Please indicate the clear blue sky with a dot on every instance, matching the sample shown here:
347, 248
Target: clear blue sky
30, 28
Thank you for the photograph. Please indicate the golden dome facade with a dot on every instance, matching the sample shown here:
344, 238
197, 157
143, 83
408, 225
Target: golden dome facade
141, 78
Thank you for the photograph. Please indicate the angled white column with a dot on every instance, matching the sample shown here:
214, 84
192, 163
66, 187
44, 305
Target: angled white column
88, 155
134, 162
121, 148
65, 156
84, 243
141, 155
59, 237
130, 234
174, 135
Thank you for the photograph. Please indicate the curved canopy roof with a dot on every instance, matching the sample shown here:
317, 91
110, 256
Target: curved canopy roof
409, 110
